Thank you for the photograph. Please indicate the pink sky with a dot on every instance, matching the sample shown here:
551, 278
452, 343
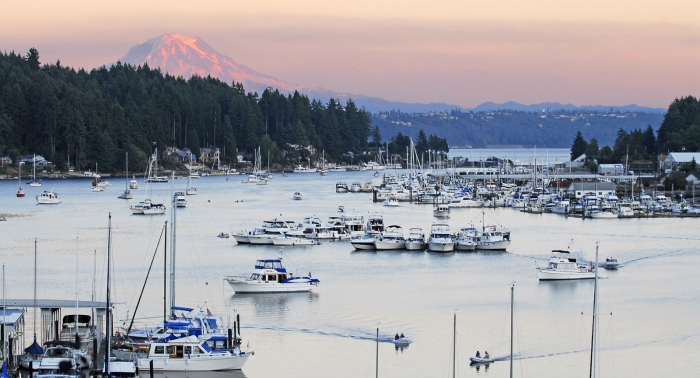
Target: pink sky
458, 52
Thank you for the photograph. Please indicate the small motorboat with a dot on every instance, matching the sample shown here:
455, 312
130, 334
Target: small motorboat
341, 209
20, 193
223, 235
391, 201
3, 219
297, 196
480, 360
98, 188
402, 341
611, 263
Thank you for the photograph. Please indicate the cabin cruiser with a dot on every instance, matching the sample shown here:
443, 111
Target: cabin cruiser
465, 240
391, 239
441, 211
493, 238
564, 268
48, 198
133, 184
190, 354
440, 238
415, 240
297, 196
146, 207
180, 200
562, 207
294, 241
302, 169
53, 362
271, 229
368, 187
366, 242
375, 222
604, 214
354, 224
341, 187
243, 237
98, 188
270, 276
356, 187
338, 168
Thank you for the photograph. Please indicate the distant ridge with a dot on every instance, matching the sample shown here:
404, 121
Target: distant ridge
186, 56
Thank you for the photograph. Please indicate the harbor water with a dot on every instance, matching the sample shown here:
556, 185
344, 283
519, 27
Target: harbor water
648, 308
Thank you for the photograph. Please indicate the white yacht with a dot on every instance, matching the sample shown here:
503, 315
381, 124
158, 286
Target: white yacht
356, 187
338, 168
146, 207
190, 354
391, 202
604, 214
366, 242
271, 229
133, 184
302, 169
294, 241
354, 224
440, 238
391, 239
297, 196
270, 276
465, 240
564, 268
416, 239
375, 222
441, 211
368, 187
48, 198
180, 200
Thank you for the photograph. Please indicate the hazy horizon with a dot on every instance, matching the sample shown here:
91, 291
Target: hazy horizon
454, 52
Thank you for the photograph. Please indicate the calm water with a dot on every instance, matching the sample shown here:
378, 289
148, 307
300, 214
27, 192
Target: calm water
525, 155
648, 307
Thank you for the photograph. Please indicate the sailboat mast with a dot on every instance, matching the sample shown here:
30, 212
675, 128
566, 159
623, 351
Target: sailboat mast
512, 294
108, 310
34, 290
165, 275
594, 339
4, 317
126, 181
173, 213
76, 286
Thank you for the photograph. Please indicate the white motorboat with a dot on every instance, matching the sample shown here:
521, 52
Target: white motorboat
402, 341
146, 207
191, 354
356, 187
302, 169
391, 201
367, 188
492, 238
270, 230
338, 168
366, 242
271, 277
391, 239
133, 184
611, 263
441, 211
297, 196
465, 240
480, 360
180, 200
98, 189
341, 187
294, 241
48, 198
354, 224
564, 268
415, 240
375, 222
440, 239
562, 207
604, 214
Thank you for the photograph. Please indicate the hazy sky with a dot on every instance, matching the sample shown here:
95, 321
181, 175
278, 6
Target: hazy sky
459, 52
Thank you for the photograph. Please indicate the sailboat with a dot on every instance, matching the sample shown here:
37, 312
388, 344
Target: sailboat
153, 169
127, 192
191, 191
34, 182
32, 355
20, 192
323, 164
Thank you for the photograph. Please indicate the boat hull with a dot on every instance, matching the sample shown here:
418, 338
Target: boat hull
269, 287
414, 246
363, 245
293, 241
209, 363
549, 275
464, 247
241, 239
493, 246
441, 246
389, 245
260, 240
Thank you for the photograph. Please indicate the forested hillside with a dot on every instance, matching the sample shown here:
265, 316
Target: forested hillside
94, 117
507, 127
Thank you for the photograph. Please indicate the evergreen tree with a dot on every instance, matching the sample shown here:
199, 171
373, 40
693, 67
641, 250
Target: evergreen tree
422, 143
376, 137
193, 142
579, 146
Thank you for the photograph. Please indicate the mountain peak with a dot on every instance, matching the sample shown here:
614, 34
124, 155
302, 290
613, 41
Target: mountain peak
186, 56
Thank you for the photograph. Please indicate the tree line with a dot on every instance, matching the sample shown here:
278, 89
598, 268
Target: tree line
81, 117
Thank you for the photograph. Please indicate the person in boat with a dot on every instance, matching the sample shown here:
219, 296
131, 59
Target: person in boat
310, 275
478, 355
486, 354
402, 336
396, 337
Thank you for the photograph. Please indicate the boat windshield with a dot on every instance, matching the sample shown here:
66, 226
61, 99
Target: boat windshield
254, 276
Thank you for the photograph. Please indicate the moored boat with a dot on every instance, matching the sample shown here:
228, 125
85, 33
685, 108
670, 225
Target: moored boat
270, 276
48, 198
564, 268
415, 240
191, 354
440, 238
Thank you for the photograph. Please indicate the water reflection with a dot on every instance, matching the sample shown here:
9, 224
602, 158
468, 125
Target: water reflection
478, 366
277, 303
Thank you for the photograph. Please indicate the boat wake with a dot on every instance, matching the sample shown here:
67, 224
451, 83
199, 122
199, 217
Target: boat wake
359, 336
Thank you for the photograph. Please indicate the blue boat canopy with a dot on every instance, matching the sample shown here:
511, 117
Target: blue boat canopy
181, 308
270, 264
34, 349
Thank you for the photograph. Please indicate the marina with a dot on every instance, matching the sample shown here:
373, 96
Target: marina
291, 332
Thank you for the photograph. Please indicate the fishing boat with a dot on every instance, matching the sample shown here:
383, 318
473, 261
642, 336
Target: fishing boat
190, 354
415, 240
341, 187
356, 187
297, 196
270, 276
562, 267
492, 238
440, 239
48, 198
